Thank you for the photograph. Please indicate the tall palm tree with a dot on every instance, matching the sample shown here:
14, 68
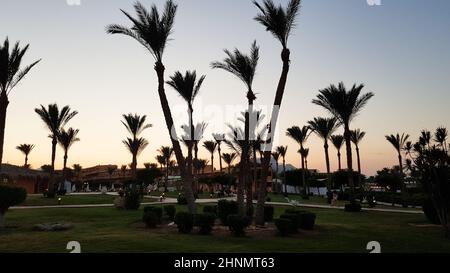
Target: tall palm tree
344, 105
135, 125
356, 137
166, 152
211, 146
440, 136
229, 158
26, 150
280, 22
66, 139
188, 88
152, 30
282, 150
10, 75
243, 67
399, 144
338, 141
54, 119
219, 138
323, 128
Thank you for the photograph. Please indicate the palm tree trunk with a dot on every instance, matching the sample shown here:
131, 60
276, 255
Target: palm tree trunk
339, 160
403, 185
134, 171
327, 161
3, 107
276, 175
359, 165
220, 157
64, 171
285, 54
284, 176
212, 162
229, 169
26, 160
186, 176
348, 146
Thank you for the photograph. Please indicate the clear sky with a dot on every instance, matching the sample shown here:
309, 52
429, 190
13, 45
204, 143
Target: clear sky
399, 50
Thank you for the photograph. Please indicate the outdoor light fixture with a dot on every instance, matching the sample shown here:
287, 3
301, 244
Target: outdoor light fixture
59, 201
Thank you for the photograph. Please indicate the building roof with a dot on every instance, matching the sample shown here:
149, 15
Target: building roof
16, 171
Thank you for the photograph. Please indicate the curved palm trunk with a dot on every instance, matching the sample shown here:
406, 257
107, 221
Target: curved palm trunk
327, 161
285, 54
348, 146
3, 107
186, 176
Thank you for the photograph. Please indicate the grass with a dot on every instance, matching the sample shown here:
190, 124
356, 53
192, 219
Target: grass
111, 230
174, 194
88, 199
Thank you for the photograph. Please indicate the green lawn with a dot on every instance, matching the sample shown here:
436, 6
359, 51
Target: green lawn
39, 200
175, 194
111, 230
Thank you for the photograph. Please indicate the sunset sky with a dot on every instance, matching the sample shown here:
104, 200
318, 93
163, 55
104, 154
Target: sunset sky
399, 50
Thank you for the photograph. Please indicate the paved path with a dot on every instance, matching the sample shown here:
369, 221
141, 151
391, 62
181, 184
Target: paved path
206, 201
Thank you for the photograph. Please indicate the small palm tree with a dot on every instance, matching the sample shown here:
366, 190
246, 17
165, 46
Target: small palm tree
54, 119
135, 147
229, 158
300, 135
166, 152
219, 138
399, 144
77, 168
425, 138
282, 150
323, 128
356, 137
161, 161
111, 169
305, 153
10, 75
338, 141
26, 150
440, 136
344, 105
211, 146
66, 139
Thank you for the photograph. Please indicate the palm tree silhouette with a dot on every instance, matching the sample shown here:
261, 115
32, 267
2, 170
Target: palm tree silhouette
161, 160
244, 67
282, 150
135, 125
219, 138
324, 128
188, 88
356, 137
344, 105
66, 139
425, 138
305, 153
280, 22
399, 144
152, 30
338, 141
26, 150
77, 168
166, 152
229, 158
111, 169
211, 146
440, 136
10, 75
300, 135
54, 119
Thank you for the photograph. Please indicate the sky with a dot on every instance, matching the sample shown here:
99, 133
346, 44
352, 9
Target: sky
399, 50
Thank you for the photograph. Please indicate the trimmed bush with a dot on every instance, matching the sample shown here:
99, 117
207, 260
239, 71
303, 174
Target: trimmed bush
170, 211
226, 208
284, 226
210, 209
150, 219
268, 213
10, 196
184, 222
158, 211
353, 207
295, 219
181, 200
132, 200
307, 220
205, 222
237, 224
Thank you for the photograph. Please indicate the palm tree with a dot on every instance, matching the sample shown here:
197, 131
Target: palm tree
229, 158
344, 105
135, 125
323, 128
440, 136
161, 160
244, 67
166, 152
276, 157
338, 141
152, 30
211, 146
300, 135
219, 138
280, 22
399, 144
188, 88
282, 150
425, 138
26, 150
111, 169
356, 137
305, 153
123, 169
77, 168
66, 139
54, 119
10, 75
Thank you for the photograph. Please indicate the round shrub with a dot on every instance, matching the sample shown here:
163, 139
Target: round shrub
237, 224
268, 213
170, 211
295, 219
353, 207
10, 196
132, 200
184, 222
150, 219
210, 209
226, 208
181, 200
158, 211
284, 226
205, 222
307, 220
